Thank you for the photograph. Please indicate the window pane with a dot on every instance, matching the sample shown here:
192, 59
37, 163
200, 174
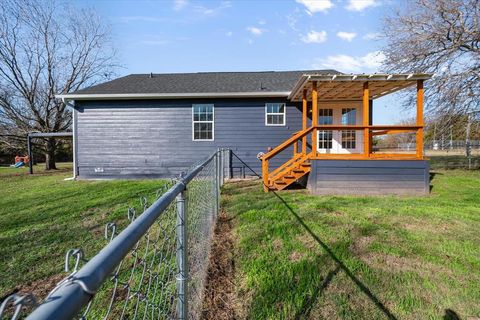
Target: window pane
275, 119
349, 116
281, 108
196, 131
209, 116
326, 116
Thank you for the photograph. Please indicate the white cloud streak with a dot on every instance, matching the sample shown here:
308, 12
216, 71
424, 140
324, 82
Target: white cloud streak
179, 4
372, 36
255, 31
315, 37
370, 62
314, 6
360, 5
347, 36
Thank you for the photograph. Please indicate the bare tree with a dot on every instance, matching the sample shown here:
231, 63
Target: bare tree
440, 37
47, 48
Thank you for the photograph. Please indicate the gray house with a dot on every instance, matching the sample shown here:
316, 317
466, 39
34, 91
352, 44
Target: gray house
289, 126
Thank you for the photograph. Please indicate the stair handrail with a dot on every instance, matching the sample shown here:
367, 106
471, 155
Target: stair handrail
285, 144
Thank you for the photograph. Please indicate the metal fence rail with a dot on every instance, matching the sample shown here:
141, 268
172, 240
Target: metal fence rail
155, 268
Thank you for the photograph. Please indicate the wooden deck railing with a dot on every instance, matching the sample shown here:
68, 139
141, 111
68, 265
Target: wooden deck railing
371, 130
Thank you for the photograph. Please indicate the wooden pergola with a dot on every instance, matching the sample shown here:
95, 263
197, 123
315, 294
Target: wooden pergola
315, 88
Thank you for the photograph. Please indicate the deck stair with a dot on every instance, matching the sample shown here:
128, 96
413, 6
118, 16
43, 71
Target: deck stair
292, 170
289, 173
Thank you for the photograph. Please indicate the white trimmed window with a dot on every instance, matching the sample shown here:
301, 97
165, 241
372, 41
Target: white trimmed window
203, 122
275, 114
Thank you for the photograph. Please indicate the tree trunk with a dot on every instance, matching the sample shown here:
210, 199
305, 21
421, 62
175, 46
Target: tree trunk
50, 155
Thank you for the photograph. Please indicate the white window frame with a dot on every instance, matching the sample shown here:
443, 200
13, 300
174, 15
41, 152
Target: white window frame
276, 114
203, 121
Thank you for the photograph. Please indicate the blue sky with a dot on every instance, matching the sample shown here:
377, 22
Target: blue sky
247, 35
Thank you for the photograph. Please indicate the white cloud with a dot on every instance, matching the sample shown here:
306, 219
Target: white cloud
316, 5
179, 4
229, 33
370, 62
347, 36
360, 5
372, 36
315, 37
212, 11
255, 31
292, 19
262, 22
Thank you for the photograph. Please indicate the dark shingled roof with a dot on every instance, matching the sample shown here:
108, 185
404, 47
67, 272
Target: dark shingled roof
202, 82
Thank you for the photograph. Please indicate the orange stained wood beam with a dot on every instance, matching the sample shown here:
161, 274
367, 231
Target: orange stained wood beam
366, 120
304, 120
265, 174
314, 117
420, 123
399, 128
361, 156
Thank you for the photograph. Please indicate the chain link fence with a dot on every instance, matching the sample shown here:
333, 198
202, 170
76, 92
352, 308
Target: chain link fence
154, 269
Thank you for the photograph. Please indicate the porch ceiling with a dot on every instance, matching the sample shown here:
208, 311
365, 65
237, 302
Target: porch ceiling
350, 86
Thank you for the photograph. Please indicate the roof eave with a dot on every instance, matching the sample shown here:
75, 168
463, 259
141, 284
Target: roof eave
146, 96
300, 85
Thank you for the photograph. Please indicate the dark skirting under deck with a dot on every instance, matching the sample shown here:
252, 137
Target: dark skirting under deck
364, 177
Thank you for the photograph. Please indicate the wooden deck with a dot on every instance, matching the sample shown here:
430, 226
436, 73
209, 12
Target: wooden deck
303, 154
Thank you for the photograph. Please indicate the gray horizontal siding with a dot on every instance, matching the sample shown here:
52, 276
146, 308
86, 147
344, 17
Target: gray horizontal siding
358, 177
154, 138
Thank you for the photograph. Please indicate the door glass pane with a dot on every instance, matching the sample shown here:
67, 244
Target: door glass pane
325, 138
348, 139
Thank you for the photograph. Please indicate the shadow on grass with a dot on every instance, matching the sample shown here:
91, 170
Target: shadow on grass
340, 266
450, 315
308, 304
306, 308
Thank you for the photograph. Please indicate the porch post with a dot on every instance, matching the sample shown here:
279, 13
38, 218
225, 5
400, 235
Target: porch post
366, 120
419, 142
304, 121
314, 117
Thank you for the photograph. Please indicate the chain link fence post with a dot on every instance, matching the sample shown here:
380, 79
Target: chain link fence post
182, 277
221, 166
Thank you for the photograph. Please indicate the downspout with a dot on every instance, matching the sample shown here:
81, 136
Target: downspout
74, 144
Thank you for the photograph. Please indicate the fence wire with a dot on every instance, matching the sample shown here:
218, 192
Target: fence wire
155, 268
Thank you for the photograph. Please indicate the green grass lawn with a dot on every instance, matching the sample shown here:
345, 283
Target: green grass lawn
42, 216
300, 256
297, 256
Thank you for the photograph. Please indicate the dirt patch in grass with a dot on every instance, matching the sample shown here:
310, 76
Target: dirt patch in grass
360, 245
295, 256
395, 264
41, 288
38, 289
277, 244
219, 302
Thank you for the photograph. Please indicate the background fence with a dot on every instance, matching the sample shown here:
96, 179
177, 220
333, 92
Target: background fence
154, 269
